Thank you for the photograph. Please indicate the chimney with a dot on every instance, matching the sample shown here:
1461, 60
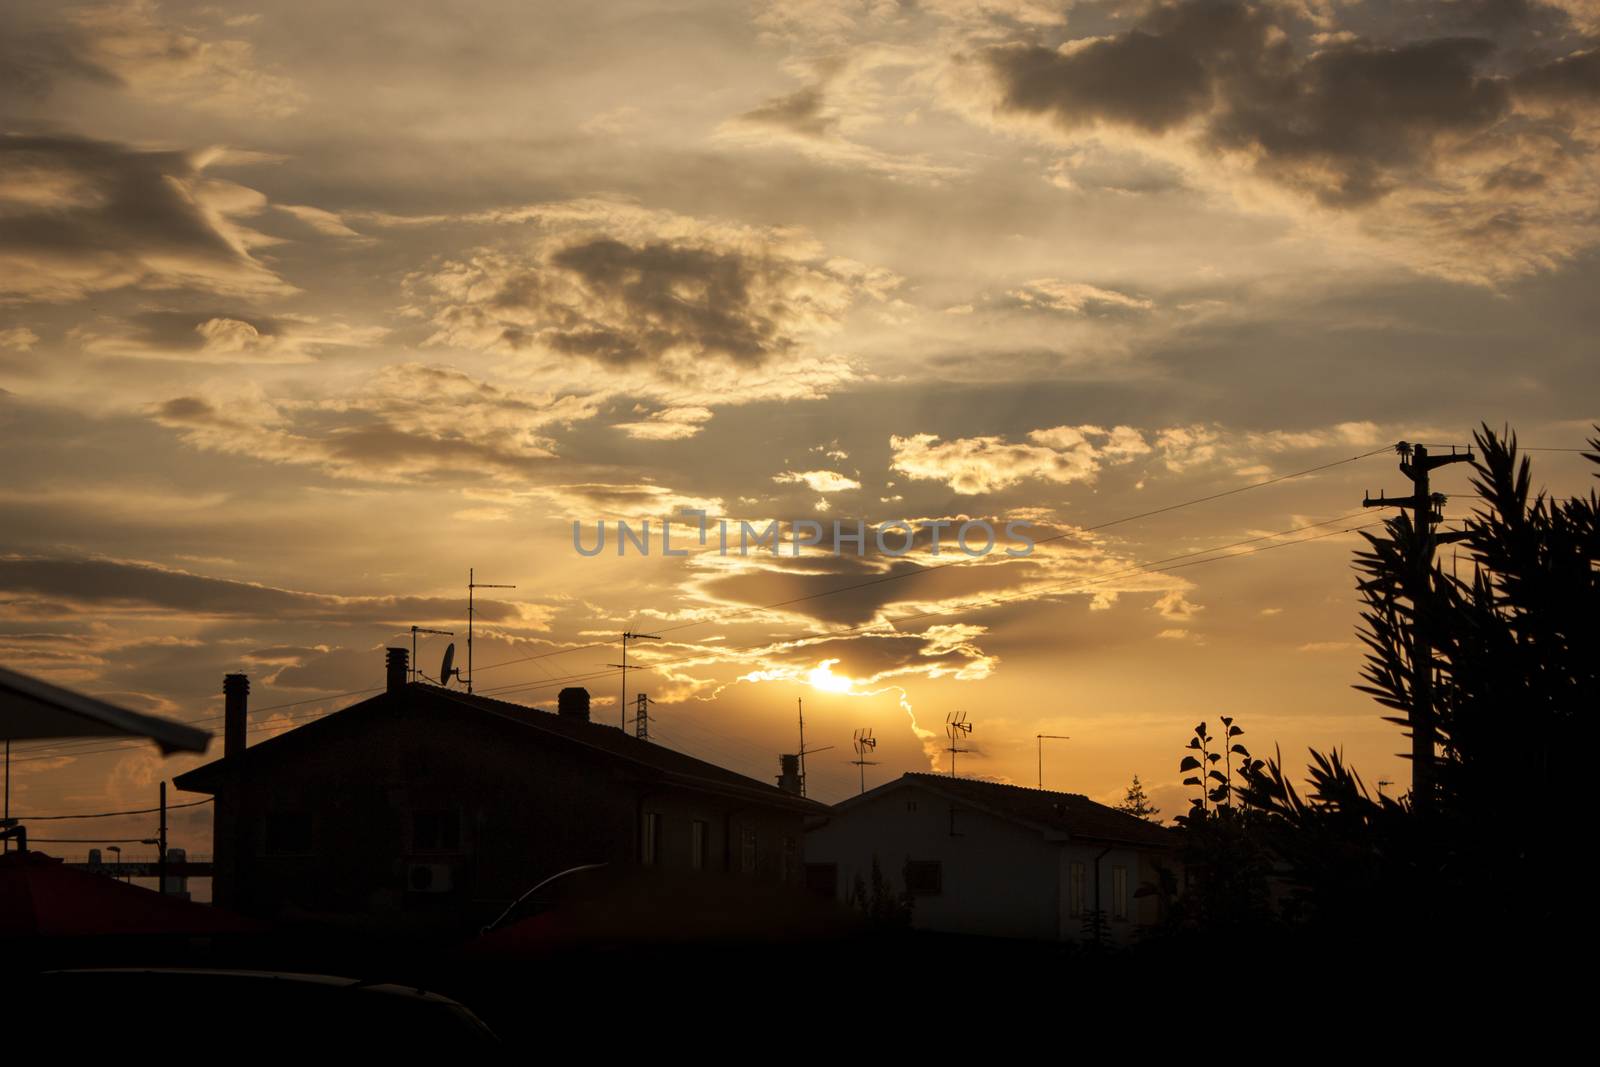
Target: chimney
789, 775
235, 713
396, 660
573, 703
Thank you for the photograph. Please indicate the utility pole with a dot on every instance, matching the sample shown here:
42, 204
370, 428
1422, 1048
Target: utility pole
1042, 738
473, 584
161, 843
623, 721
1425, 505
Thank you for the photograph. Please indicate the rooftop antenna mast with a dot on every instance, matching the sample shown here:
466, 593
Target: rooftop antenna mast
956, 727
800, 708
1042, 738
626, 637
415, 630
864, 743
472, 585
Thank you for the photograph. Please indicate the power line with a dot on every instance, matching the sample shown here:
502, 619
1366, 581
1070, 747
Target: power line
1070, 585
1039, 541
111, 814
589, 676
1178, 562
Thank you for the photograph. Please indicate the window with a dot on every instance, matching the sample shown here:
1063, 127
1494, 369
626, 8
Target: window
437, 830
1119, 892
822, 879
698, 840
747, 851
1075, 890
924, 878
288, 833
791, 858
649, 834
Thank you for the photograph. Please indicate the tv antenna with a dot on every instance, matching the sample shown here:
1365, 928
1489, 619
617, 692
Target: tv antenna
472, 585
1042, 738
415, 630
864, 743
956, 727
623, 666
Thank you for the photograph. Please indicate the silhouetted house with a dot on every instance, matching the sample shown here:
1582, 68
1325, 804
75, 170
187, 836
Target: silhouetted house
426, 806
999, 860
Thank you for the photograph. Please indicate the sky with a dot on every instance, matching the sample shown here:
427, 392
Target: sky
307, 309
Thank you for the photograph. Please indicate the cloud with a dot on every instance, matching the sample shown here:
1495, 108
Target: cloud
1063, 454
625, 288
818, 481
668, 424
106, 586
132, 46
18, 339
79, 216
802, 111
1076, 298
1400, 127
408, 421
219, 336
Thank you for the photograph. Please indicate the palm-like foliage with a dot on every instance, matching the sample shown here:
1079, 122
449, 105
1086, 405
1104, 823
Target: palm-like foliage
1515, 669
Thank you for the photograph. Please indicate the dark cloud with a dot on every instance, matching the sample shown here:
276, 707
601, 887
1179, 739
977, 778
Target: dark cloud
670, 296
801, 112
80, 215
1345, 118
90, 583
624, 302
1571, 79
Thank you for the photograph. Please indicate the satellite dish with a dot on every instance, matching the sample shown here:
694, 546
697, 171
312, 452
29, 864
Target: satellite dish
449, 658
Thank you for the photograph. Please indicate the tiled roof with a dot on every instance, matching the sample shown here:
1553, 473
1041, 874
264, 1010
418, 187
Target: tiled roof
1070, 813
609, 740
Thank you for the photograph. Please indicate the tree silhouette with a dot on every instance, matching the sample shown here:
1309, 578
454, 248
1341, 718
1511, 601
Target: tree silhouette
1516, 671
1136, 802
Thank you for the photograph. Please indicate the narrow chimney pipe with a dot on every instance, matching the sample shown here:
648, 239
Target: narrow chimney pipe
235, 713
398, 663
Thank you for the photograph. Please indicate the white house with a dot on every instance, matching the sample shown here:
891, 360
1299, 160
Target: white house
990, 859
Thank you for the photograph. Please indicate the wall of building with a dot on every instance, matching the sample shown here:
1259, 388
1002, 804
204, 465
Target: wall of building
999, 879
526, 809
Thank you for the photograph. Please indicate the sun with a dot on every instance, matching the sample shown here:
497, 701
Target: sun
822, 678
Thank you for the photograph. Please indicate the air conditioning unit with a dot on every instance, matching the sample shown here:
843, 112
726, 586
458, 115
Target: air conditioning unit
429, 878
